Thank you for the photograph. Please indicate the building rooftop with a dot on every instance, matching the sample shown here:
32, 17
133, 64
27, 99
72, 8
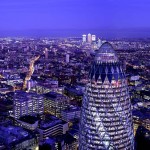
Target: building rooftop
144, 92
73, 132
50, 141
56, 96
13, 134
69, 139
29, 119
142, 138
106, 65
74, 91
142, 113
72, 109
50, 121
106, 48
106, 53
22, 96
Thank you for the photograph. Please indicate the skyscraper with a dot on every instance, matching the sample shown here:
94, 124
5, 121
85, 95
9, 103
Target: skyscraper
84, 38
93, 38
99, 43
89, 38
46, 53
67, 58
106, 120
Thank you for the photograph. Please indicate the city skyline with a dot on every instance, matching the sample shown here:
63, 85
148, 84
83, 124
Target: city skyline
109, 18
42, 83
74, 74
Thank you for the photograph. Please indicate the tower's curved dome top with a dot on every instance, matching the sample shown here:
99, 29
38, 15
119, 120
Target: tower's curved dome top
106, 48
106, 53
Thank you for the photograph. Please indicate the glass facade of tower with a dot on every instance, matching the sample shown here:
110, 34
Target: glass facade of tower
106, 120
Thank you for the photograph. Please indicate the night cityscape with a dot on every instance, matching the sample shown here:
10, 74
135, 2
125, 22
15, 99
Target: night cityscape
74, 75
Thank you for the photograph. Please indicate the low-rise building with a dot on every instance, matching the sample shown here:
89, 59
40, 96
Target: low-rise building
141, 117
60, 142
71, 113
28, 122
27, 104
16, 138
54, 103
52, 126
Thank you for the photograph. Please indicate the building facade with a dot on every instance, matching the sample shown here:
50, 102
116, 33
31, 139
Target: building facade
17, 138
89, 38
71, 113
52, 126
106, 118
27, 104
84, 38
54, 103
141, 117
93, 38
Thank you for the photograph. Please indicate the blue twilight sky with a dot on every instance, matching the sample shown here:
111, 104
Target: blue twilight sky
89, 15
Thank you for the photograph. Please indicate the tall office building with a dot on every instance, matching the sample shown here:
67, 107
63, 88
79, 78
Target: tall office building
99, 43
93, 38
84, 38
89, 38
46, 53
106, 120
67, 58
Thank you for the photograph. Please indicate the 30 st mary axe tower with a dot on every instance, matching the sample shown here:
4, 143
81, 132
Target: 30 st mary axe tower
106, 120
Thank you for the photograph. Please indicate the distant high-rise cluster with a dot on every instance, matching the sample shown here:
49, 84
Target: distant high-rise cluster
92, 41
88, 38
106, 119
